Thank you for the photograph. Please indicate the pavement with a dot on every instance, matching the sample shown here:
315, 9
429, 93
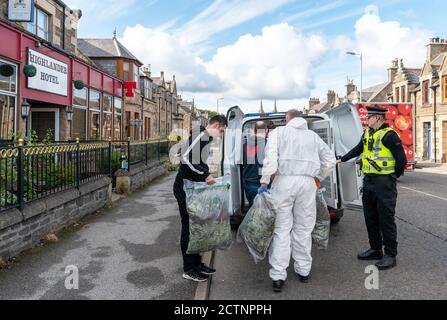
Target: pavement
337, 274
130, 251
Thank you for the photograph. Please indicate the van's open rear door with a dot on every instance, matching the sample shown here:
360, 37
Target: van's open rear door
347, 129
323, 129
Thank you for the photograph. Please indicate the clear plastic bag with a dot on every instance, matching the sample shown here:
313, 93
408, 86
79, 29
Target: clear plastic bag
256, 231
320, 234
209, 220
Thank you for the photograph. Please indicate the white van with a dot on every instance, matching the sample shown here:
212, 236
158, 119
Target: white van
340, 128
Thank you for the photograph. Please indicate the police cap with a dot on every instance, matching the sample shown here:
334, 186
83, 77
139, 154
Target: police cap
376, 110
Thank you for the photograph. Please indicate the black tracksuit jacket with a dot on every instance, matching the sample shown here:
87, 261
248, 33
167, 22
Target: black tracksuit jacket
194, 154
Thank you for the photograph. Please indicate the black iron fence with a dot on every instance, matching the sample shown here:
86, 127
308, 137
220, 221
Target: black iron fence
28, 173
137, 152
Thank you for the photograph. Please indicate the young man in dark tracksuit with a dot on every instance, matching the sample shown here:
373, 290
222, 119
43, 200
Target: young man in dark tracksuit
193, 167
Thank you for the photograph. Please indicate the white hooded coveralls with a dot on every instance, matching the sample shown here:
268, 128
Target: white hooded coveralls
296, 155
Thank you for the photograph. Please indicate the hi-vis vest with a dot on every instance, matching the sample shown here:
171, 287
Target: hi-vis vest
377, 159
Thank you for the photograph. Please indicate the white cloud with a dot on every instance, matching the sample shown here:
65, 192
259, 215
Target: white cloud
381, 41
278, 63
222, 15
165, 53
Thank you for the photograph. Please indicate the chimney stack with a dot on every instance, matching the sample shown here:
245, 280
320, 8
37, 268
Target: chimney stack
435, 48
350, 87
313, 102
392, 70
331, 97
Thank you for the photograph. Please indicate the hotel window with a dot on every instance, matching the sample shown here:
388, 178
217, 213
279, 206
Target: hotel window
8, 99
425, 93
79, 123
95, 115
107, 116
444, 89
118, 119
40, 24
126, 70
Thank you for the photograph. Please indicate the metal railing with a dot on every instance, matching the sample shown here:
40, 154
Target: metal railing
144, 151
28, 173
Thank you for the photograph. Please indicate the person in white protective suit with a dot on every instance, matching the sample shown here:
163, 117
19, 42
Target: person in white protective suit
297, 157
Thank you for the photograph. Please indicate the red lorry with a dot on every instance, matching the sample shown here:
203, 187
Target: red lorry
400, 118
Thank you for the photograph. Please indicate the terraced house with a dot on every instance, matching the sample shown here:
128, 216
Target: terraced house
431, 104
46, 82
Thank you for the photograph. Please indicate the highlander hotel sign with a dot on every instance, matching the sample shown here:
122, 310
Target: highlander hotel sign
52, 75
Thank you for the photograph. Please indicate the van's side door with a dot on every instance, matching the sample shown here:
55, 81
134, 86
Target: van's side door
347, 129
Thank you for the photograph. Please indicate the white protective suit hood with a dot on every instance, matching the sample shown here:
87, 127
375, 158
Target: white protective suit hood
298, 123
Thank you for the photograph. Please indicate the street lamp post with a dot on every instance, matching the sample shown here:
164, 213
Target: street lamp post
219, 99
361, 71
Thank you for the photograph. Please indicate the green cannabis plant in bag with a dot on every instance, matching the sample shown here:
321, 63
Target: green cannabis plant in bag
256, 231
209, 217
320, 234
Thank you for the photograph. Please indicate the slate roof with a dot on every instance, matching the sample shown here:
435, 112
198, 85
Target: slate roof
105, 48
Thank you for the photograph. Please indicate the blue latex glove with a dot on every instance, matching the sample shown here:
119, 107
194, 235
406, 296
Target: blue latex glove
263, 190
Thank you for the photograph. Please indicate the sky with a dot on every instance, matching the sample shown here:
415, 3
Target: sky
242, 51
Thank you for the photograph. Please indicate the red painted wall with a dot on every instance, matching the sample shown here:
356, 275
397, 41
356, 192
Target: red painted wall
13, 46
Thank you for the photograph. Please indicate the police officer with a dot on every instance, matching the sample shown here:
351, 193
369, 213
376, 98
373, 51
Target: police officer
383, 161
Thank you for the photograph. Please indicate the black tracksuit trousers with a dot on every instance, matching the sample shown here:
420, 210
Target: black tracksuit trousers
379, 206
190, 261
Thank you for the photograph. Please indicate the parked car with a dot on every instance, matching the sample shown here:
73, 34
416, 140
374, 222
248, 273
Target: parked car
340, 128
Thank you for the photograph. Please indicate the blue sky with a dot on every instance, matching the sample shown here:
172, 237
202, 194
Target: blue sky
245, 50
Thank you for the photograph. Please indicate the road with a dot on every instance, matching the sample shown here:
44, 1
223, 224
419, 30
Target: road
337, 274
130, 251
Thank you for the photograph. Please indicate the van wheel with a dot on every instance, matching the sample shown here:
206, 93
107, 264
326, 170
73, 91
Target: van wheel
236, 221
335, 220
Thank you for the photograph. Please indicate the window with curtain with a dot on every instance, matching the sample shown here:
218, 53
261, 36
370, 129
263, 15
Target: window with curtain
117, 122
8, 99
95, 115
136, 73
79, 123
126, 70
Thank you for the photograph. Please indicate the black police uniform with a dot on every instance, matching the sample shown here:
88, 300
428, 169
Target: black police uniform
193, 167
380, 194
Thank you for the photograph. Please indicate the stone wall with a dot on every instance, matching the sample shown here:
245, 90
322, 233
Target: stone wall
20, 231
138, 177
